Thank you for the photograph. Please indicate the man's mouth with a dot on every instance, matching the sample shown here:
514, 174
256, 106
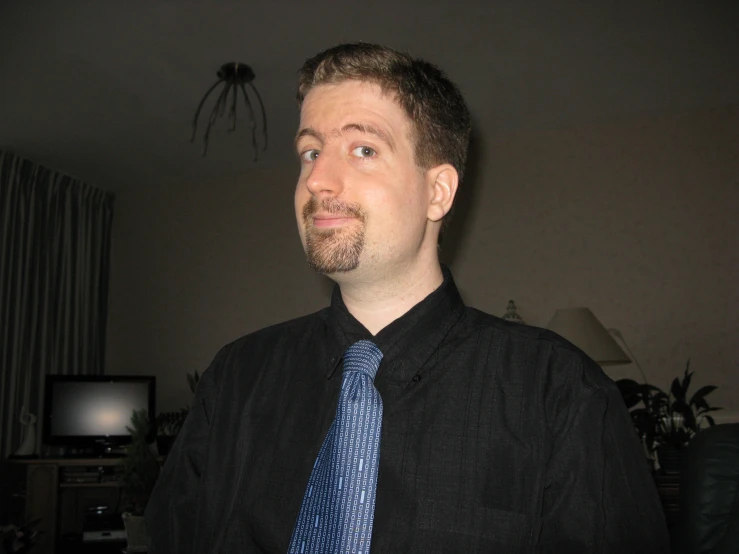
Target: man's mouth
330, 213
330, 221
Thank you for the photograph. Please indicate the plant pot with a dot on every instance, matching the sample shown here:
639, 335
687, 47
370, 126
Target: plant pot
136, 533
670, 459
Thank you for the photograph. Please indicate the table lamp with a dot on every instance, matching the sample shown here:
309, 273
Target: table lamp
582, 328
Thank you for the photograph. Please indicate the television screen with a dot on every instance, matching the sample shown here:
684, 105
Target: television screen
90, 411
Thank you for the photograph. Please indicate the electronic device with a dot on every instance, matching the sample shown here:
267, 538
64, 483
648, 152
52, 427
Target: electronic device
92, 412
102, 525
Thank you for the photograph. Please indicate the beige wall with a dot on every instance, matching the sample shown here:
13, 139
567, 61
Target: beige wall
636, 220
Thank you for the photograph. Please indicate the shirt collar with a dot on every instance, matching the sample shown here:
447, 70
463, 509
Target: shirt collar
407, 342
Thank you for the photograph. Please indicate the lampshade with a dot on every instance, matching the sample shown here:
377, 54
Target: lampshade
582, 328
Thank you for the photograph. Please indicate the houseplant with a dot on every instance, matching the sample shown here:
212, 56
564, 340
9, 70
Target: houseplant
667, 421
139, 473
169, 423
15, 539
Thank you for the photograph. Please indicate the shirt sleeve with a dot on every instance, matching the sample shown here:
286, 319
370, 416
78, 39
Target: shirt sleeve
599, 496
171, 514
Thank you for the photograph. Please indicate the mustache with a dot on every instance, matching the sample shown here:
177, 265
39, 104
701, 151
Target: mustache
332, 206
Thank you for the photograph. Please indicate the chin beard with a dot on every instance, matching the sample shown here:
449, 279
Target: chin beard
333, 250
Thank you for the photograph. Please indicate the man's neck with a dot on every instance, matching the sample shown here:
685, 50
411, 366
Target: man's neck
377, 304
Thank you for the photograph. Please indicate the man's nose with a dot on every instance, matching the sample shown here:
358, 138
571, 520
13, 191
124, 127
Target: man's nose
325, 178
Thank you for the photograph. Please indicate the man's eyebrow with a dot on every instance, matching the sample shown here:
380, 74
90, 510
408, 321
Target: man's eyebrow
371, 130
361, 127
308, 132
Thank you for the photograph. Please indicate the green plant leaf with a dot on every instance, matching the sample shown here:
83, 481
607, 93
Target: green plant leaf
628, 386
685, 385
140, 468
701, 393
649, 439
630, 392
700, 404
658, 403
666, 418
676, 390
631, 401
192, 380
640, 414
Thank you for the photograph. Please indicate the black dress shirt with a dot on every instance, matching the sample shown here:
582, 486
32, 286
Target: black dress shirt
496, 437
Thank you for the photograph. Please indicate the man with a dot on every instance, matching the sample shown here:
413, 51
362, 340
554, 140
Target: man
480, 435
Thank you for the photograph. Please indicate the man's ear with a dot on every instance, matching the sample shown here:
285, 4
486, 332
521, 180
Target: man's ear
444, 181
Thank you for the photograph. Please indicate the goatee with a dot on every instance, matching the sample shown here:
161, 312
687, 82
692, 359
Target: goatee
337, 249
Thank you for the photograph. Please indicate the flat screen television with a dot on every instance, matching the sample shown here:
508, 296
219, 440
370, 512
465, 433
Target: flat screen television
91, 412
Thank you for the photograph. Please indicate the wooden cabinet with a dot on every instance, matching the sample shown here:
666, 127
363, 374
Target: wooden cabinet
35, 489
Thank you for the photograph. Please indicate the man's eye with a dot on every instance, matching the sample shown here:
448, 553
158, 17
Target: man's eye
364, 152
309, 155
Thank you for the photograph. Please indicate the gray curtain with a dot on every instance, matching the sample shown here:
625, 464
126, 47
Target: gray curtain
54, 261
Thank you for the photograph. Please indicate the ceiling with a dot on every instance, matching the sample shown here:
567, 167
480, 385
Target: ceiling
106, 90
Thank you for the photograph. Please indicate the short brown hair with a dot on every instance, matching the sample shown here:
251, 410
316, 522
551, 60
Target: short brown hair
438, 113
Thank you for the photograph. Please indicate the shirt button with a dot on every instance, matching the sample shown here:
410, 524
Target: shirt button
416, 378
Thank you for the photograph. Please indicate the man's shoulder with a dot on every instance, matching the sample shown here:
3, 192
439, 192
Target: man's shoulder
546, 350
477, 319
280, 332
258, 344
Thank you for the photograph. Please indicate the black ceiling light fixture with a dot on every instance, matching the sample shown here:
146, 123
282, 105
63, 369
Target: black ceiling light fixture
235, 77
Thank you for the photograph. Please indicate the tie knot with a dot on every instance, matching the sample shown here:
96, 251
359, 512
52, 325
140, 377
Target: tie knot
363, 356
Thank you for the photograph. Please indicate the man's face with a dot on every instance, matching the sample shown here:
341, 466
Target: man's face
361, 201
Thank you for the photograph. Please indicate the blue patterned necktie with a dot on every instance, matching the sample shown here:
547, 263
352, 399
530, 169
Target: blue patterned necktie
339, 504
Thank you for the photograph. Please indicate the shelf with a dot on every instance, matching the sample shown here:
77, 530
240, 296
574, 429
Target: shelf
89, 485
66, 462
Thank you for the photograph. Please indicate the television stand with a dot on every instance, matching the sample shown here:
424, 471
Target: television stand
106, 454
41, 482
99, 450
108, 449
89, 456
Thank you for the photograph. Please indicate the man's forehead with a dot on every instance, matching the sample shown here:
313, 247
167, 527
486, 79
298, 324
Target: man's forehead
336, 132
366, 86
331, 110
348, 96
